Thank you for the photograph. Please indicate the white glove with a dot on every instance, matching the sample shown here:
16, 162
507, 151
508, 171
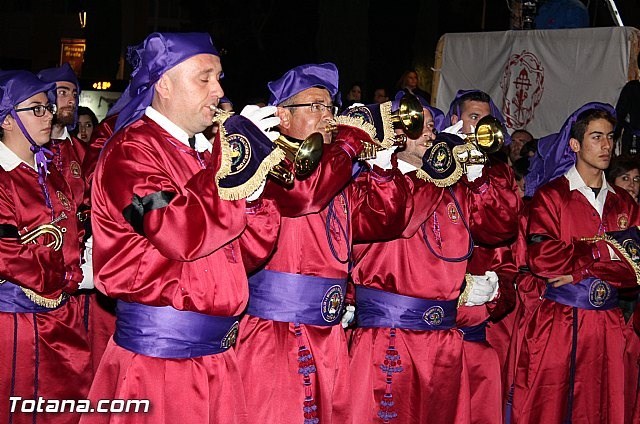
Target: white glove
349, 314
474, 171
356, 105
455, 129
256, 194
612, 254
485, 289
383, 158
87, 266
263, 118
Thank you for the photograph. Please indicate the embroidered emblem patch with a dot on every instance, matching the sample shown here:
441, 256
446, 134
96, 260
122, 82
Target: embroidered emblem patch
74, 167
440, 158
599, 293
433, 316
240, 152
64, 200
360, 112
633, 250
230, 338
623, 221
452, 211
332, 303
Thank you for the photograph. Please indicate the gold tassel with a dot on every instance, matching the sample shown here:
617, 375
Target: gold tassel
352, 121
248, 187
387, 126
467, 290
444, 182
44, 301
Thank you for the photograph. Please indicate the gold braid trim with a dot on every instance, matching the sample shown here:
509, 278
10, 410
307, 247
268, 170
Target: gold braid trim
225, 150
359, 123
443, 182
252, 184
387, 126
467, 290
621, 251
44, 301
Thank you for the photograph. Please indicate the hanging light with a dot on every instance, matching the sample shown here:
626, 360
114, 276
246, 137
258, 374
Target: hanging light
83, 18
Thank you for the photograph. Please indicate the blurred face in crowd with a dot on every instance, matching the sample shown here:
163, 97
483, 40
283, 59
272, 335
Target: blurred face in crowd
305, 113
416, 148
38, 127
411, 81
186, 92
471, 112
67, 101
518, 140
355, 94
594, 152
629, 181
380, 96
85, 128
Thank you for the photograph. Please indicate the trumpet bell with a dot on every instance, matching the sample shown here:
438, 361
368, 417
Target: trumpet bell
410, 116
301, 158
488, 135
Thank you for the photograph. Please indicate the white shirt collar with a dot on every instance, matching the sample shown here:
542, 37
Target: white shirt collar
65, 135
176, 132
9, 160
577, 183
405, 167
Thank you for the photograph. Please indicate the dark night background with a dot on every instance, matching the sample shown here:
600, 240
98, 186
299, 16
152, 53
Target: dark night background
372, 42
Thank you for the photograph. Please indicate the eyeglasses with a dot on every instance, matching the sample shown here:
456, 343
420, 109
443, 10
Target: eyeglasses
39, 110
317, 107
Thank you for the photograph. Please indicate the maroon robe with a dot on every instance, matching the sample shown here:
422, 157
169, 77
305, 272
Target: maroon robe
433, 385
560, 217
189, 258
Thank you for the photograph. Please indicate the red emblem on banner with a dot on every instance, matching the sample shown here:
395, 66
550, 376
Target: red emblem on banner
522, 87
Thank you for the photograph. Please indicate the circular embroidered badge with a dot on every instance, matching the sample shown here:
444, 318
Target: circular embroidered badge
360, 112
623, 221
74, 167
599, 293
433, 316
440, 157
64, 200
230, 338
632, 249
240, 152
332, 303
452, 211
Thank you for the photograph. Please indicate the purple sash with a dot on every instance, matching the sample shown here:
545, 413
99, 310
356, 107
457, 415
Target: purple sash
377, 308
297, 298
475, 333
591, 293
165, 332
13, 299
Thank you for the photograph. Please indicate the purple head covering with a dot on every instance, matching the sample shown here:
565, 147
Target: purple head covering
16, 87
150, 59
302, 78
454, 109
63, 73
438, 115
554, 156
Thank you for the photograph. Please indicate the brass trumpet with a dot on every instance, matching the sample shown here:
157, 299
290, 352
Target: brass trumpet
301, 158
51, 229
486, 139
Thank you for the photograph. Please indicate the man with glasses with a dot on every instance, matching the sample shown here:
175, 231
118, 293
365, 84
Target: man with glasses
292, 348
44, 352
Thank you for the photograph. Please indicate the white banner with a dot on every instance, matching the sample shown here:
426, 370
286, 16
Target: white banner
537, 78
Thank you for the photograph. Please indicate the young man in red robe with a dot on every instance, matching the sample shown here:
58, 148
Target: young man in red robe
571, 364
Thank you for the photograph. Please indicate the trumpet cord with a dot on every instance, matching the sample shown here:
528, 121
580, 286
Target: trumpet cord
464, 221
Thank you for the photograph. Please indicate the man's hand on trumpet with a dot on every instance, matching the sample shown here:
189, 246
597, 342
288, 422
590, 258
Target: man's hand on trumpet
263, 118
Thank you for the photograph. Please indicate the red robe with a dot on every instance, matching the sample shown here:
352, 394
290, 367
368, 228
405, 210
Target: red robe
268, 350
560, 217
189, 258
50, 350
433, 385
